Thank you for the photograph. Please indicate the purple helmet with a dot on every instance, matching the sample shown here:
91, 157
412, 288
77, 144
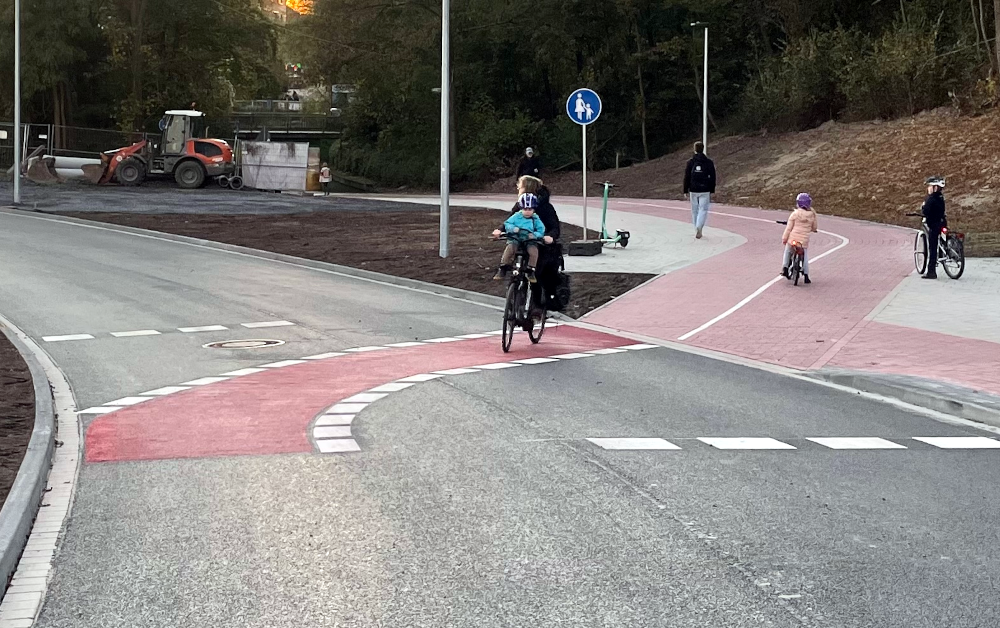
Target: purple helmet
803, 200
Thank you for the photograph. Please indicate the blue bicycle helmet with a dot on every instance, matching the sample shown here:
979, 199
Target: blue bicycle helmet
803, 200
528, 201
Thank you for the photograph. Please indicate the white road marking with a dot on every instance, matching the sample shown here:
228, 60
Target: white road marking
391, 387
364, 349
204, 381
130, 334
365, 398
440, 340
337, 446
536, 360
347, 408
324, 356
422, 377
960, 442
192, 330
403, 345
166, 390
857, 443
267, 324
282, 364
335, 419
455, 371
745, 443
332, 431
98, 410
640, 347
474, 336
496, 366
573, 356
633, 443
246, 371
67, 337
607, 351
128, 401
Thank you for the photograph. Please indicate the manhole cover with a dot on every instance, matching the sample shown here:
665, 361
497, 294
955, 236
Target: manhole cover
243, 344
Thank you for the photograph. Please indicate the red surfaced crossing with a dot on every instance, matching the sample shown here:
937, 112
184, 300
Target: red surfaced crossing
269, 412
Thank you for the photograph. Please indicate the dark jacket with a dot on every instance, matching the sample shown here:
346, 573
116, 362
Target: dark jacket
699, 176
530, 166
933, 210
547, 213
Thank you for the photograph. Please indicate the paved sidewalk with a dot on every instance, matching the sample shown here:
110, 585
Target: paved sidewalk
866, 311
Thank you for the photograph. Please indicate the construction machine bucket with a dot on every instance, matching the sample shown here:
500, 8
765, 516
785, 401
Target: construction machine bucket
42, 170
98, 173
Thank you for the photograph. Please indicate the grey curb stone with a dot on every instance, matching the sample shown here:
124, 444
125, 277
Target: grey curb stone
25, 497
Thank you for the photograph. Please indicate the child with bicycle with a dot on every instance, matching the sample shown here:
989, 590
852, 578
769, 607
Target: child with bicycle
801, 224
523, 227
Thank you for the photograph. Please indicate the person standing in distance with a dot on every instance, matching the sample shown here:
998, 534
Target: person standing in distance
530, 165
699, 185
934, 220
324, 178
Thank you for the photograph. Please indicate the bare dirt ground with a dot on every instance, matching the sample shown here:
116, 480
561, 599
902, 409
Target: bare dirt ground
871, 170
17, 413
402, 243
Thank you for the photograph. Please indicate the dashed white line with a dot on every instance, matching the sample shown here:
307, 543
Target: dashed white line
474, 336
536, 360
335, 419
324, 356
332, 431
246, 371
267, 324
99, 410
166, 390
421, 377
455, 371
856, 443
204, 381
347, 408
960, 442
440, 340
391, 387
67, 337
365, 349
193, 330
496, 366
404, 345
337, 446
633, 443
746, 443
573, 356
282, 364
365, 397
128, 401
131, 334
607, 351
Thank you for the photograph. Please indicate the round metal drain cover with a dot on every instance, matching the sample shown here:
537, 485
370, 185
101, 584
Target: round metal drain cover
243, 344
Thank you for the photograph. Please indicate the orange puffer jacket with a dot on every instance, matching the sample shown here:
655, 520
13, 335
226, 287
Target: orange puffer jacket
801, 224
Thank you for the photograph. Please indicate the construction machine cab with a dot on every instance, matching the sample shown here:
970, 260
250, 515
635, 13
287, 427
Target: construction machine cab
178, 126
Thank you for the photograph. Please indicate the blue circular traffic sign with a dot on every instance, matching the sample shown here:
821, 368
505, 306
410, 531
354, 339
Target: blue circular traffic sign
583, 106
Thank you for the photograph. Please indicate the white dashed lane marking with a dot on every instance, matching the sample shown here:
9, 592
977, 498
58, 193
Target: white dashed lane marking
194, 330
133, 334
746, 443
153, 332
67, 337
267, 324
960, 442
857, 443
633, 443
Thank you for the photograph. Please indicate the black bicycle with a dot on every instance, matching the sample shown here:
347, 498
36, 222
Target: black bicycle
795, 265
951, 251
525, 306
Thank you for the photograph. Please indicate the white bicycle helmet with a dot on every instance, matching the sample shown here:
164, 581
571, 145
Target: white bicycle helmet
938, 181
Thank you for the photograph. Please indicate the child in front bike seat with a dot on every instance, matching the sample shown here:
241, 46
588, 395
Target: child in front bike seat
523, 226
801, 224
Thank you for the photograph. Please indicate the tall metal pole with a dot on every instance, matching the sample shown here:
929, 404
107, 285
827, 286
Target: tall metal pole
704, 99
17, 101
584, 127
445, 123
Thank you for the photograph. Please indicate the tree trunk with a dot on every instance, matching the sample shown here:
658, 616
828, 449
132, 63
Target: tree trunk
996, 29
642, 92
986, 39
138, 30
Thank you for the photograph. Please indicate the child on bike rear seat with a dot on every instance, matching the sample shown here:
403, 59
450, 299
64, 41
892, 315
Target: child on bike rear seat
801, 224
522, 227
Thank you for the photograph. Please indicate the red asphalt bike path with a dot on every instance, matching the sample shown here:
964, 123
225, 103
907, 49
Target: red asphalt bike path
825, 324
270, 412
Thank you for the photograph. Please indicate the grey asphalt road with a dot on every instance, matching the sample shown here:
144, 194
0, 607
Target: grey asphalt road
476, 500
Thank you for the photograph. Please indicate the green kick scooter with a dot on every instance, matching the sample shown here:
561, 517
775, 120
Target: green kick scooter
621, 237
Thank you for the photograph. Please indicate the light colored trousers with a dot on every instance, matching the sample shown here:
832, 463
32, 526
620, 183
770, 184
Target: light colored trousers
788, 259
699, 208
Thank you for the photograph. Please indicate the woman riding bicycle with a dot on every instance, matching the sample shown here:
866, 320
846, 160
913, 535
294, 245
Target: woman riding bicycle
801, 224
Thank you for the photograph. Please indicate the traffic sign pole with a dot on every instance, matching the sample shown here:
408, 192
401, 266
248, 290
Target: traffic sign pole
17, 102
584, 127
445, 125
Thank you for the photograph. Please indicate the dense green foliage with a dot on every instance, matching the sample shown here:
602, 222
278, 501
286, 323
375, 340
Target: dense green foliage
775, 64
107, 63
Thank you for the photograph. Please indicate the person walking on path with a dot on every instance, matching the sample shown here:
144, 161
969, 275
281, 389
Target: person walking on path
530, 165
325, 178
699, 185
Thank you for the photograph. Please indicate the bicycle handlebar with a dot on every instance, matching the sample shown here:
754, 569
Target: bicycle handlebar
914, 214
781, 222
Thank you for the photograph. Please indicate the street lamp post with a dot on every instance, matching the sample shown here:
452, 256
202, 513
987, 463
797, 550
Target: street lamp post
17, 101
704, 89
445, 124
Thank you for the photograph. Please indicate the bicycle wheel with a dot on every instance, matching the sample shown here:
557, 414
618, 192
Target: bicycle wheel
509, 317
536, 330
953, 259
796, 268
920, 252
